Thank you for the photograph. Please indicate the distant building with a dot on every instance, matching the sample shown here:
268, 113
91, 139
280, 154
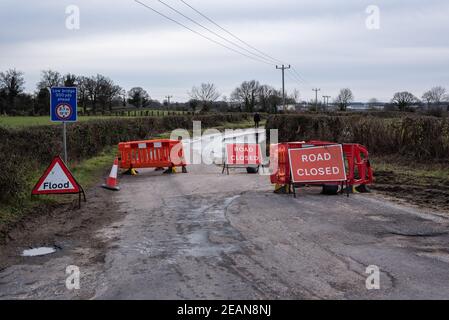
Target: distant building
365, 106
288, 107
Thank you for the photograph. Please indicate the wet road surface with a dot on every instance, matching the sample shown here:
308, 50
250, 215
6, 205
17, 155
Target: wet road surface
204, 235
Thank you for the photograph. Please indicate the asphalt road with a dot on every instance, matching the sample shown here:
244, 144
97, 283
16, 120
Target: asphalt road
204, 235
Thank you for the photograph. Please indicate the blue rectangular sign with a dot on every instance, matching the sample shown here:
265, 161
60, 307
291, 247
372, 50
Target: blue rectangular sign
63, 104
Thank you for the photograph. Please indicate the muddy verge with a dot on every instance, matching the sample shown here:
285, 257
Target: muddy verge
65, 228
429, 193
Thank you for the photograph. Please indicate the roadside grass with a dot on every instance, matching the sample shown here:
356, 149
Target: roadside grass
20, 122
397, 171
88, 173
423, 184
29, 121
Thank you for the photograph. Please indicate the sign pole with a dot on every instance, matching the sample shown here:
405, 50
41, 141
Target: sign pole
64, 140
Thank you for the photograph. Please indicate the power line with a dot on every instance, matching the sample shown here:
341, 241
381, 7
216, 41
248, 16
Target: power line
300, 77
200, 34
295, 78
213, 32
289, 75
231, 34
256, 57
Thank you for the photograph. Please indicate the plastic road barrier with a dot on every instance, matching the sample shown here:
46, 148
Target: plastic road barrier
163, 153
320, 163
245, 155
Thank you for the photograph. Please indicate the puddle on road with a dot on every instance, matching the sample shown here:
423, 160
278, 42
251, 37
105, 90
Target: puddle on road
229, 200
194, 228
379, 218
42, 251
198, 242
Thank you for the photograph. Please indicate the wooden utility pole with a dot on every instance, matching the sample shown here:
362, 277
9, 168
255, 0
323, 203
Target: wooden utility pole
326, 100
168, 100
316, 97
283, 68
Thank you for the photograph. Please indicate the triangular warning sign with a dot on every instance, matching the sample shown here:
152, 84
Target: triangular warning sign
56, 179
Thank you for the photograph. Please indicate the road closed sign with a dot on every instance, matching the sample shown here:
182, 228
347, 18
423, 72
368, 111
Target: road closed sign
243, 154
317, 164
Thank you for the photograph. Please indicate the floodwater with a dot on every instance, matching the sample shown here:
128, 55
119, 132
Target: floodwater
38, 251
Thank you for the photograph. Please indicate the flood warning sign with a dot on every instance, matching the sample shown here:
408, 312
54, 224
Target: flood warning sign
56, 179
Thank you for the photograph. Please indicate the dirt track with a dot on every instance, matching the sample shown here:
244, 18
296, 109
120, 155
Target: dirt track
206, 235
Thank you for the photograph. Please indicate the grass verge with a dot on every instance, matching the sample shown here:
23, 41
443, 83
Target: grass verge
423, 184
87, 173
30, 121
391, 170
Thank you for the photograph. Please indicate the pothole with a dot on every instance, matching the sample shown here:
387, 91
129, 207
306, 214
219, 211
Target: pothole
41, 251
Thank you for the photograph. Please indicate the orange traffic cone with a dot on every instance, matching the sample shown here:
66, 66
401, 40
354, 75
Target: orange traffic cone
111, 181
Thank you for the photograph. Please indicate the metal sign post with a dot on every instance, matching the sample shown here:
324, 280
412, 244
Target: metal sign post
64, 140
63, 108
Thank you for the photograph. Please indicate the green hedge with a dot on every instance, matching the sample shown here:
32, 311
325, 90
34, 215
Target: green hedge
416, 137
22, 150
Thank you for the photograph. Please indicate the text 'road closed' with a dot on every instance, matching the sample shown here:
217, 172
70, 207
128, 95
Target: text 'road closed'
317, 164
243, 154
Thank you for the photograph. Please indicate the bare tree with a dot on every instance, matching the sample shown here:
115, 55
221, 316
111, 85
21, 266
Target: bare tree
101, 89
70, 80
344, 99
193, 104
83, 95
427, 97
246, 94
3, 101
207, 93
92, 89
294, 97
275, 100
265, 96
49, 79
404, 99
107, 91
435, 95
138, 97
11, 84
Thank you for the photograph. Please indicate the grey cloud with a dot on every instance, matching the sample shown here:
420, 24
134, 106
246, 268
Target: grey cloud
325, 39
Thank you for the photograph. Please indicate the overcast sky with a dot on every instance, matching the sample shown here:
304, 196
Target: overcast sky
327, 41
